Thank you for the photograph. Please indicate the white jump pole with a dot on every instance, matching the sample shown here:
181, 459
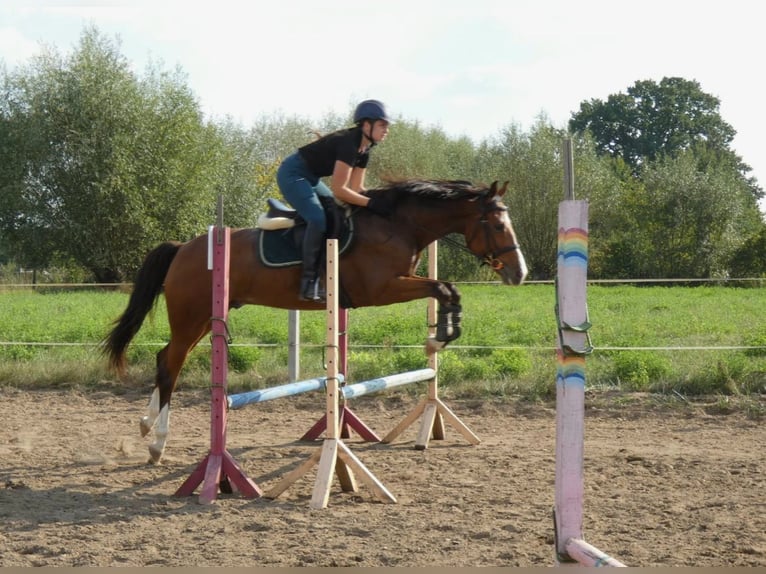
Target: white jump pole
389, 382
433, 410
269, 394
573, 346
334, 457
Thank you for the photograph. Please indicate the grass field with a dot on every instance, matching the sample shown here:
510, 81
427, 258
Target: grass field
680, 341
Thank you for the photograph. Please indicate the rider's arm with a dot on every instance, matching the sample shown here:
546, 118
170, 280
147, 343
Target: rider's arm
357, 179
347, 182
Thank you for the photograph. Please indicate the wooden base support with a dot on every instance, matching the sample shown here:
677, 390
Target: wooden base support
333, 457
434, 413
218, 472
347, 420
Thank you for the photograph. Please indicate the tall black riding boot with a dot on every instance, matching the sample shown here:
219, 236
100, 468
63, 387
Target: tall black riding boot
313, 241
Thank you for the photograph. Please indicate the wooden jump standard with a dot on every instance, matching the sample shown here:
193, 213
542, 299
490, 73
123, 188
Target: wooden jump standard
574, 345
433, 410
334, 457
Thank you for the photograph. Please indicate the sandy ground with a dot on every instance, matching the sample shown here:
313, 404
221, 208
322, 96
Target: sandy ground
664, 487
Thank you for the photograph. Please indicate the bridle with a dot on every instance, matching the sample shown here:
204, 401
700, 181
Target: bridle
490, 258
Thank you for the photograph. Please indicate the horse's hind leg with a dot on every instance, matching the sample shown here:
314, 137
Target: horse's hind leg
152, 413
159, 408
169, 362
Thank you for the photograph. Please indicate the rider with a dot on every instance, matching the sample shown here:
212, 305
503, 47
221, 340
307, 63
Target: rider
343, 155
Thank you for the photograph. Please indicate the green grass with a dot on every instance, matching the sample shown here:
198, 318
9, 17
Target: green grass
647, 340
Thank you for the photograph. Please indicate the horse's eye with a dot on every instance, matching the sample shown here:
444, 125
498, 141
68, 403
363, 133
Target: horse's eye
499, 227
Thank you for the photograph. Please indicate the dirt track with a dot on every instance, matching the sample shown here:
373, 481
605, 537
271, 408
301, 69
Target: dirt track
663, 487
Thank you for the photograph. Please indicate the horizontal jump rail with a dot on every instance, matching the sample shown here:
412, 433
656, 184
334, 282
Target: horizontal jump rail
262, 395
320, 383
373, 385
588, 555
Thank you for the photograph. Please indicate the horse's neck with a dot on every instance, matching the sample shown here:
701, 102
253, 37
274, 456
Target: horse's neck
434, 223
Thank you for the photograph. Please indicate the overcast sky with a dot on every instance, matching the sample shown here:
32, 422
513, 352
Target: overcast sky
470, 67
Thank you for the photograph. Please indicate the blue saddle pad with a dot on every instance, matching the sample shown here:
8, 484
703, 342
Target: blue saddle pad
278, 247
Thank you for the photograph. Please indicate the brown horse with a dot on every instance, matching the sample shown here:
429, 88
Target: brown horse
377, 268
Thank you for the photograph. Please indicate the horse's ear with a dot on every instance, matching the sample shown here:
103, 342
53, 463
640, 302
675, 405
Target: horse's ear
498, 192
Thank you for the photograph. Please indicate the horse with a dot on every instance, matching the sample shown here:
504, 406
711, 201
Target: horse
377, 268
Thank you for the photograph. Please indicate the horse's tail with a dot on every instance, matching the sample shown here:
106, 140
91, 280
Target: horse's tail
146, 290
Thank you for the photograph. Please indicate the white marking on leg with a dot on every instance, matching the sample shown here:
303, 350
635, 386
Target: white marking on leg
153, 411
522, 267
160, 435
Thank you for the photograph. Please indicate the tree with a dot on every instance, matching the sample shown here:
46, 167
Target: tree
679, 221
652, 120
100, 165
411, 151
532, 162
686, 201
750, 259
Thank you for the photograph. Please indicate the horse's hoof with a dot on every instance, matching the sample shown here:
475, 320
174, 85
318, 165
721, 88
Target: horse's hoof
155, 456
434, 346
145, 426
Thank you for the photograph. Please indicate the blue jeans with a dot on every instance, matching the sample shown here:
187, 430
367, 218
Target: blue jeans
301, 188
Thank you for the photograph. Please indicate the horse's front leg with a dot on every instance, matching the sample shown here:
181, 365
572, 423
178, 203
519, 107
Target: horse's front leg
448, 318
449, 314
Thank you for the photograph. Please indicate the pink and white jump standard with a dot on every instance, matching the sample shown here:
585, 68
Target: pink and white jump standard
219, 469
573, 345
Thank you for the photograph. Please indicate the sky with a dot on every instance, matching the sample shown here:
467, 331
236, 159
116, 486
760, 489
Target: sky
469, 67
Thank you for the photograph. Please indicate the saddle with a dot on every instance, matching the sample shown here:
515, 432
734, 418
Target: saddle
281, 231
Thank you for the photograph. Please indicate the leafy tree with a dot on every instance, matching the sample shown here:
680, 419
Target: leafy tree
749, 260
413, 152
652, 120
100, 165
686, 201
605, 183
533, 164
679, 221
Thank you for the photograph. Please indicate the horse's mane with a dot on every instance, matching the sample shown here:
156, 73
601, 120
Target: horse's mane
431, 188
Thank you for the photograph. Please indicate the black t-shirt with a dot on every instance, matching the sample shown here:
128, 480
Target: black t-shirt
343, 145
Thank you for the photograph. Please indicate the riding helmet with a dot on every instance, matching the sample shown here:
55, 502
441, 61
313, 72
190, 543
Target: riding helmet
370, 110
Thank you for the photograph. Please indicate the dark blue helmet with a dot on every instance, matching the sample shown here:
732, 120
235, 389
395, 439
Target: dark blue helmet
370, 110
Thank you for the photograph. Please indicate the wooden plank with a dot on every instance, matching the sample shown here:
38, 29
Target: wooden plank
453, 419
369, 479
293, 476
325, 473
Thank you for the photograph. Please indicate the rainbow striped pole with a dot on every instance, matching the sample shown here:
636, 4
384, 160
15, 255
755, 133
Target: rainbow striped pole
573, 345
